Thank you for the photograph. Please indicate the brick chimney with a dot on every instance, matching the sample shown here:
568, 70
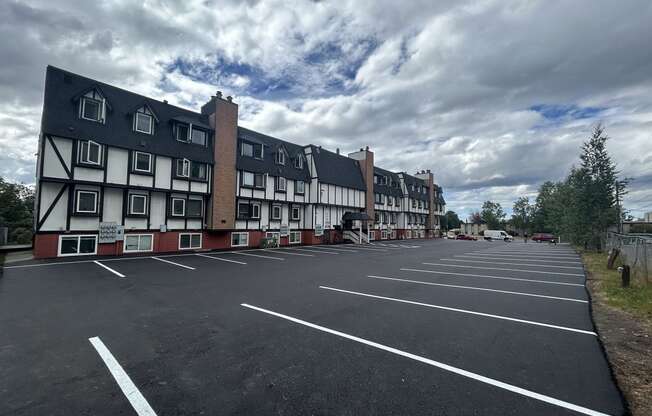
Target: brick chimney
223, 118
430, 183
365, 157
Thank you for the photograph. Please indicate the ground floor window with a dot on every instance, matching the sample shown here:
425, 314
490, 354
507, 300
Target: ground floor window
77, 245
393, 235
138, 242
239, 239
372, 235
189, 241
383, 235
295, 237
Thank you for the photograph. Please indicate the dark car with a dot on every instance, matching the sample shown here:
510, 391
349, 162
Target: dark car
465, 237
541, 237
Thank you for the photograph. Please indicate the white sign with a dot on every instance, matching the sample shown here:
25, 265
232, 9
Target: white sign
319, 230
109, 232
284, 230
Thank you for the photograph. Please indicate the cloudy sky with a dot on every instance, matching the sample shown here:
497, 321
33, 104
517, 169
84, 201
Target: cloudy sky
494, 96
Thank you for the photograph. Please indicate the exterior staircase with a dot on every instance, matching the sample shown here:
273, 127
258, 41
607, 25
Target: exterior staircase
355, 237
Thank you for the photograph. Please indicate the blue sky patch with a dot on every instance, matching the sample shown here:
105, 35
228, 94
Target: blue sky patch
556, 112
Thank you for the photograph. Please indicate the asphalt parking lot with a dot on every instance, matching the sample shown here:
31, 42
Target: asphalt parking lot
416, 327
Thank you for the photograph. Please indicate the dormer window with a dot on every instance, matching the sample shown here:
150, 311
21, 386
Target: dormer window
280, 157
182, 132
144, 120
298, 162
189, 134
251, 150
198, 136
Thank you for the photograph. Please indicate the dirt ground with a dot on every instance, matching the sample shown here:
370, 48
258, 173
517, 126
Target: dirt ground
628, 342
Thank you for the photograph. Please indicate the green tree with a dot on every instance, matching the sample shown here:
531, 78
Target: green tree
522, 214
475, 218
451, 220
492, 213
17, 210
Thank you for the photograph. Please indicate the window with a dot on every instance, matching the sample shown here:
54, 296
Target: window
182, 132
393, 218
243, 210
273, 234
276, 212
92, 109
280, 157
251, 150
375, 178
295, 237
239, 239
198, 137
194, 208
255, 210
142, 162
298, 162
137, 204
377, 217
77, 245
138, 242
414, 203
198, 171
86, 202
259, 180
296, 213
378, 198
90, 152
188, 241
247, 179
183, 168
281, 184
144, 123
178, 207
253, 179
299, 187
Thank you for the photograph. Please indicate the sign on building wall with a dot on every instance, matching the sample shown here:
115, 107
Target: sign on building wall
319, 230
110, 232
285, 230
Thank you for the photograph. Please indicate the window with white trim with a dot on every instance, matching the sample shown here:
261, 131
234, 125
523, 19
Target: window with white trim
142, 162
198, 136
276, 212
244, 210
178, 207
239, 239
280, 157
273, 234
77, 245
296, 213
182, 132
183, 168
86, 202
247, 179
299, 187
295, 237
189, 241
144, 121
90, 152
92, 106
138, 242
251, 150
298, 162
255, 210
281, 184
137, 204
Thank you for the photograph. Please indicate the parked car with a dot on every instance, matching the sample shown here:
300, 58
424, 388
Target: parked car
541, 237
465, 237
497, 235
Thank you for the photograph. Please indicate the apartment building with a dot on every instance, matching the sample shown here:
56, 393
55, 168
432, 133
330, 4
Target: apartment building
122, 173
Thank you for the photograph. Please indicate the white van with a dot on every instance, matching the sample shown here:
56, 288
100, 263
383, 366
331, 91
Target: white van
497, 235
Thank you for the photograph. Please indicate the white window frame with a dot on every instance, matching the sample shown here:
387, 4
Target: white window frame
185, 169
138, 250
280, 157
176, 132
296, 187
280, 212
294, 233
254, 206
298, 162
79, 237
135, 166
279, 182
172, 207
246, 174
150, 130
202, 132
131, 204
89, 143
273, 234
100, 112
96, 194
292, 217
246, 244
201, 242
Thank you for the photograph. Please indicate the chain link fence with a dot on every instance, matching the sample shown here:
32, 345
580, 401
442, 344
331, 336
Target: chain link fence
635, 252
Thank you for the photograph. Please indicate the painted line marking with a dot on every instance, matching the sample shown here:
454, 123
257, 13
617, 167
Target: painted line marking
289, 253
501, 268
464, 373
514, 264
528, 256
466, 311
129, 389
220, 258
486, 257
109, 269
173, 263
521, 253
493, 277
258, 255
312, 251
509, 292
347, 250
358, 247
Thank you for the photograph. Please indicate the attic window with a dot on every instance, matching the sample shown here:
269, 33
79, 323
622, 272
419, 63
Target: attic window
298, 162
182, 132
280, 157
144, 121
251, 150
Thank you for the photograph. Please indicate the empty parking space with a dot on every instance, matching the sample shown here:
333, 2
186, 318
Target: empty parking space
409, 327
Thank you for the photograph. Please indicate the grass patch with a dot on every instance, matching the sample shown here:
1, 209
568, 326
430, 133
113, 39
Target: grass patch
636, 299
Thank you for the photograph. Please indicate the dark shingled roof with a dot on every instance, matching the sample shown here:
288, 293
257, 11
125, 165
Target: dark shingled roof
409, 179
387, 189
268, 164
61, 118
336, 169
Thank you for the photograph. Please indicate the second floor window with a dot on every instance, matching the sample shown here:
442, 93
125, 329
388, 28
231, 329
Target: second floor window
137, 204
178, 207
86, 202
198, 171
90, 152
142, 162
281, 184
300, 187
183, 168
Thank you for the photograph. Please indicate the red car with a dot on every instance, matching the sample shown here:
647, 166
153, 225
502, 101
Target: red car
541, 237
465, 237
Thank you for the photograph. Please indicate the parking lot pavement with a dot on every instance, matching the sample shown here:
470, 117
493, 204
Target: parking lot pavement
391, 328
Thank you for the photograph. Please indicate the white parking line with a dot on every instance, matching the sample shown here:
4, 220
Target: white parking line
487, 257
307, 250
515, 264
108, 268
466, 311
509, 292
492, 277
220, 259
347, 250
358, 247
524, 253
289, 253
257, 255
501, 268
464, 373
171, 262
525, 256
129, 389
